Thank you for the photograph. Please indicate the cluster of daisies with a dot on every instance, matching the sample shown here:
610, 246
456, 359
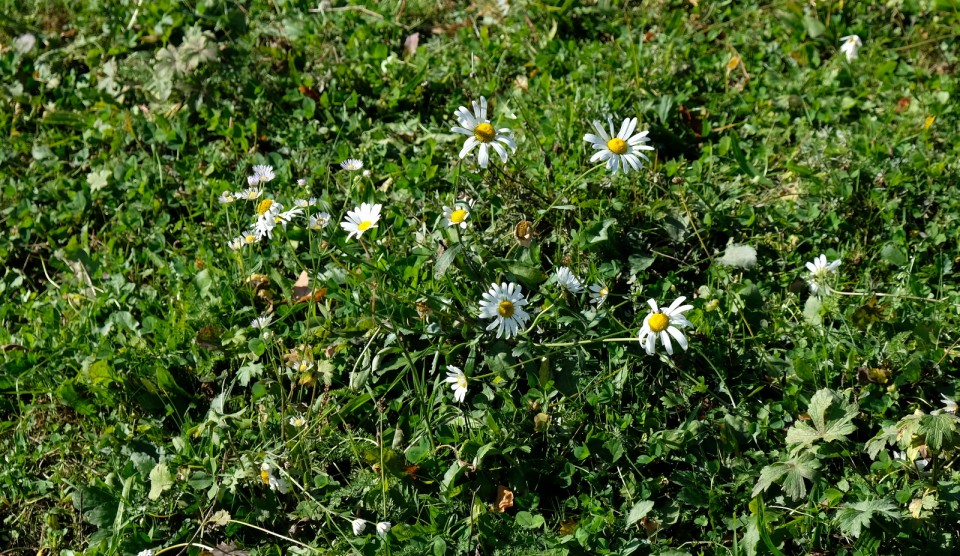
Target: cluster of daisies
270, 213
619, 150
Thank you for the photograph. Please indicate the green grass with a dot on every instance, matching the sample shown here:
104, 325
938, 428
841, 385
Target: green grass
139, 405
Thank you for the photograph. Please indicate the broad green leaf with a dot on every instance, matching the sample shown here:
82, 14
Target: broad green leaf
938, 429
793, 472
160, 480
528, 520
802, 435
884, 438
248, 371
639, 511
852, 518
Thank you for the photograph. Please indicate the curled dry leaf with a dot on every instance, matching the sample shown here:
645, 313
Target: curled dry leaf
504, 499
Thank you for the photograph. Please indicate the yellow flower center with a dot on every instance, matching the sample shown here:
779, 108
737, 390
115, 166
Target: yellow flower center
505, 309
484, 132
264, 206
458, 216
363, 226
462, 381
617, 145
604, 292
658, 322
250, 238
265, 476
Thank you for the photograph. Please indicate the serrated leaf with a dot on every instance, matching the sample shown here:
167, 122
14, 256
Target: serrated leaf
802, 435
852, 518
938, 429
248, 371
639, 511
793, 472
160, 480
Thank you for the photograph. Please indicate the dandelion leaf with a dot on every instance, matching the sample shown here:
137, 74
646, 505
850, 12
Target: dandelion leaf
852, 518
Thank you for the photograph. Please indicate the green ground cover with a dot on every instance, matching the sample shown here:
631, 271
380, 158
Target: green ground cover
430, 355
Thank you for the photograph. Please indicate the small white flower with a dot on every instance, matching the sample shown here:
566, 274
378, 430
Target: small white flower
358, 526
253, 180
361, 219
598, 294
480, 132
301, 181
458, 382
275, 483
226, 198
319, 221
851, 44
263, 173
504, 303
664, 323
367, 173
284, 218
820, 274
352, 164
236, 243
949, 406
250, 193
456, 215
146, 552
297, 421
621, 151
304, 203
261, 322
569, 282
264, 227
300, 366
249, 237
383, 528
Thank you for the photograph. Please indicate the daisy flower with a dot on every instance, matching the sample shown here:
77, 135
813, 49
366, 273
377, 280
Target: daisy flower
383, 528
252, 180
301, 181
621, 151
598, 294
456, 216
361, 219
284, 218
266, 475
250, 193
480, 131
297, 421
300, 366
263, 173
261, 322
358, 526
352, 164
504, 303
949, 406
569, 282
458, 382
304, 203
319, 221
249, 237
820, 273
226, 198
664, 323
236, 243
851, 44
